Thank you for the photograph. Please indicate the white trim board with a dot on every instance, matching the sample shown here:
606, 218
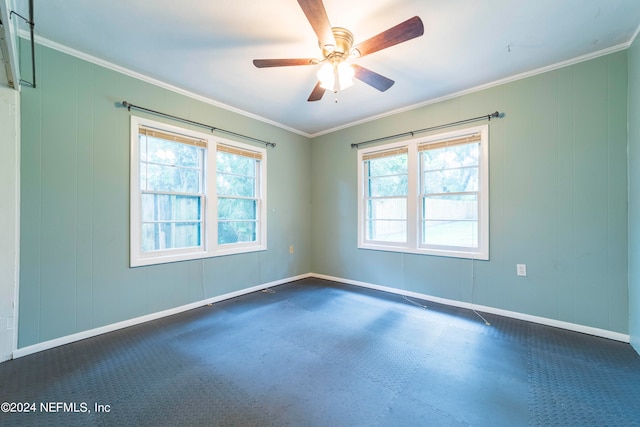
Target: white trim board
489, 85
109, 65
9, 219
617, 336
68, 339
10, 38
142, 77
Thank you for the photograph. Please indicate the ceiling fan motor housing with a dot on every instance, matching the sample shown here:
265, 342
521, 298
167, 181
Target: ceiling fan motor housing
342, 49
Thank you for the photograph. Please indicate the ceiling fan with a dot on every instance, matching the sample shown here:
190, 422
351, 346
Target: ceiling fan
337, 47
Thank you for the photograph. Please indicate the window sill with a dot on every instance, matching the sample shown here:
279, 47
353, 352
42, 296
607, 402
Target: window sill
450, 253
190, 256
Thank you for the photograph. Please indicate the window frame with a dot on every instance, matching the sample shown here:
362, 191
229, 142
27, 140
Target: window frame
413, 242
389, 150
260, 190
209, 246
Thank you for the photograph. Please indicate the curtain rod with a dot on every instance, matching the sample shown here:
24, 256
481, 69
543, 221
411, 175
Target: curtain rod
129, 106
412, 133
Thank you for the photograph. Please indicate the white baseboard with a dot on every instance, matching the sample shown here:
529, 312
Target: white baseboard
45, 345
617, 336
25, 351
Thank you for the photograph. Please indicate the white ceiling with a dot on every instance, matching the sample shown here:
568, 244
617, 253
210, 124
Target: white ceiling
206, 47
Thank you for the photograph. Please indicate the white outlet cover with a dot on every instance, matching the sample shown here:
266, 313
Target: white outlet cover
521, 269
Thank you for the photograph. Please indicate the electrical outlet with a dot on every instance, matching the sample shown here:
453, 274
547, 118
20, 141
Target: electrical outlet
291, 249
521, 269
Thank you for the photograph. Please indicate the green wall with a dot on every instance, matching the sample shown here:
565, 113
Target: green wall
558, 183
75, 205
634, 194
558, 200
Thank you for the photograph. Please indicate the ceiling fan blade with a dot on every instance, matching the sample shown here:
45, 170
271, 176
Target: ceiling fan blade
407, 30
316, 94
317, 17
371, 78
264, 63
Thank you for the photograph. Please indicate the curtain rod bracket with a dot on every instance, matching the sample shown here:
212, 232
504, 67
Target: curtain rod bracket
129, 106
13, 12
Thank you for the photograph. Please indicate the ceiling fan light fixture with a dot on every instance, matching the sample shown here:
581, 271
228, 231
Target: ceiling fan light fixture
345, 75
337, 76
327, 77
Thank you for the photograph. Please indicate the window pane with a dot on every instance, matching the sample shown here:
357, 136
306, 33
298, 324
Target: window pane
170, 178
236, 231
236, 183
186, 235
386, 230
168, 152
158, 236
451, 157
450, 233
236, 164
451, 180
232, 185
387, 209
388, 186
163, 207
237, 209
393, 165
454, 207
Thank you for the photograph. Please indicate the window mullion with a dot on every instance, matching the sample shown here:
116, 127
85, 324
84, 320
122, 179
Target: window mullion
211, 210
412, 199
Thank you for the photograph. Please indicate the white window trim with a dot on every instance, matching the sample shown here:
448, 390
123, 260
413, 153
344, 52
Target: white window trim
413, 206
209, 245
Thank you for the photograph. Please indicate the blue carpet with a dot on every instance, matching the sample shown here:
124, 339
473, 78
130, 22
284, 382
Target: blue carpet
319, 353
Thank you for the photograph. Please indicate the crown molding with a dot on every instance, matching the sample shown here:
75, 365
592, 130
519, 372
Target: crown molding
516, 77
109, 65
147, 79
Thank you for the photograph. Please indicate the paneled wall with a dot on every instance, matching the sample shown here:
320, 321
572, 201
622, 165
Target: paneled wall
558, 186
74, 263
558, 200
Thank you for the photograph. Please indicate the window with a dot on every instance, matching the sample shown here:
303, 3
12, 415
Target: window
386, 177
428, 196
237, 181
193, 195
